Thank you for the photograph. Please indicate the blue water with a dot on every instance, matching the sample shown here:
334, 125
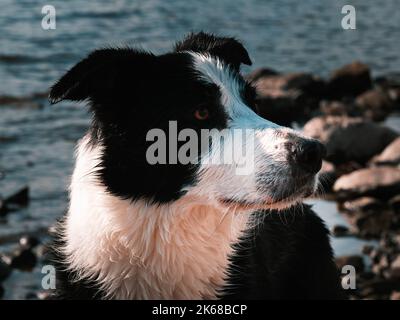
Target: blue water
283, 34
36, 145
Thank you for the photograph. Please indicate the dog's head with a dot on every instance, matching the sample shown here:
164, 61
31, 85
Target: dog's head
146, 108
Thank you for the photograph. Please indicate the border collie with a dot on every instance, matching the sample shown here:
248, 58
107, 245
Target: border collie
136, 230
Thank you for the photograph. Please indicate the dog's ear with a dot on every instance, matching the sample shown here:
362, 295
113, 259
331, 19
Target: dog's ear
228, 49
100, 74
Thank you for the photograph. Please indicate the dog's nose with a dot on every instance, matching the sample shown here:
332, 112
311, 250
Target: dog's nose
308, 155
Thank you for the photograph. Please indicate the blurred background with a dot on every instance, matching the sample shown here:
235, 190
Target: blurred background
341, 86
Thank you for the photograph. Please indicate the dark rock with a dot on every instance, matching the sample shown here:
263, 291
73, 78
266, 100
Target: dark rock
31, 296
394, 272
371, 224
281, 109
378, 182
30, 101
390, 155
390, 80
20, 198
349, 139
378, 287
395, 204
363, 204
23, 259
369, 217
367, 275
367, 249
353, 260
340, 231
260, 73
336, 108
3, 208
14, 202
28, 242
307, 83
374, 104
387, 241
287, 98
381, 265
376, 254
390, 83
349, 80
5, 270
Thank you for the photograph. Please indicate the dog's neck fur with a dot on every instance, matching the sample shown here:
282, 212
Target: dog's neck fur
135, 250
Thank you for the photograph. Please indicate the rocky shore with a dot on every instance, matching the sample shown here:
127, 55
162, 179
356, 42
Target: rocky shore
361, 172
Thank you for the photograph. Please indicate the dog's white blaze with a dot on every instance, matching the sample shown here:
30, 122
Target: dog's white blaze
269, 138
140, 251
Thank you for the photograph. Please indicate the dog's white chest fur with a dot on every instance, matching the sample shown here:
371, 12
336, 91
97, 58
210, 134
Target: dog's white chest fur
140, 251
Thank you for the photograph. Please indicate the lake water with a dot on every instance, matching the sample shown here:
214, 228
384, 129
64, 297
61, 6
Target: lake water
36, 145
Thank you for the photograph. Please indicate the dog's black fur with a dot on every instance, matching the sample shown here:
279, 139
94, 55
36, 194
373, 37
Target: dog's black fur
283, 261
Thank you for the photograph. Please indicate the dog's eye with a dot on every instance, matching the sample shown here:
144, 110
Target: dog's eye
201, 114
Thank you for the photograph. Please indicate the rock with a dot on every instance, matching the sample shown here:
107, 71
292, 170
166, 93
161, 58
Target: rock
394, 272
378, 286
30, 101
349, 80
363, 204
378, 182
1, 291
375, 254
394, 203
390, 80
15, 201
367, 249
383, 263
3, 208
31, 296
336, 108
340, 231
5, 270
371, 224
287, 98
374, 104
390, 83
369, 217
260, 73
390, 155
395, 295
306, 83
280, 109
353, 260
349, 139
20, 198
28, 242
23, 259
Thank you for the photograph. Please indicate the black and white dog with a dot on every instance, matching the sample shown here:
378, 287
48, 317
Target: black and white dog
136, 230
